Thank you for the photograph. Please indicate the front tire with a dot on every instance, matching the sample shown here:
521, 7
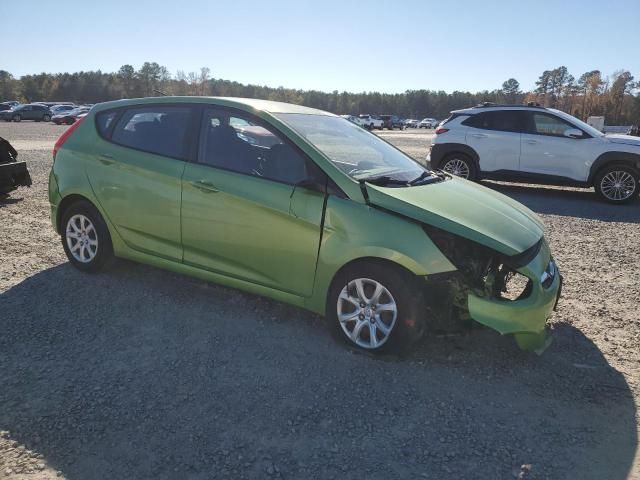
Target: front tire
460, 165
85, 237
617, 184
376, 307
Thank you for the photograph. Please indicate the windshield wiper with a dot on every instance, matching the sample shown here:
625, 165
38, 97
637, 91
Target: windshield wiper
383, 180
425, 178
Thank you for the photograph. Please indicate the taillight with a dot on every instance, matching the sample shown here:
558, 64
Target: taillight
441, 130
67, 133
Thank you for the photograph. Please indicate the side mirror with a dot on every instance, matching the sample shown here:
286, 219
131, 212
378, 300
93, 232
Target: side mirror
311, 184
573, 133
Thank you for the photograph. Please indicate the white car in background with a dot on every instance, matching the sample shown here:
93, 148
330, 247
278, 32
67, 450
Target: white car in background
428, 123
370, 122
533, 144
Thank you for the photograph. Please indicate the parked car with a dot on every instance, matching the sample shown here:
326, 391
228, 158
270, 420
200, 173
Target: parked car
330, 218
13, 103
13, 174
371, 122
58, 109
5, 106
428, 123
70, 116
411, 123
534, 144
392, 121
30, 111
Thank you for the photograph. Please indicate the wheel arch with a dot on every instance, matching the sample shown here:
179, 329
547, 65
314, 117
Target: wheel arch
443, 150
626, 158
67, 202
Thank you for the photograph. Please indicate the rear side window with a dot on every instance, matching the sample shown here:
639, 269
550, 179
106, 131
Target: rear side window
155, 129
504, 120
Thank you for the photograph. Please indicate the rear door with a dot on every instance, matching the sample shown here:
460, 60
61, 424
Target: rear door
242, 214
547, 151
495, 136
136, 174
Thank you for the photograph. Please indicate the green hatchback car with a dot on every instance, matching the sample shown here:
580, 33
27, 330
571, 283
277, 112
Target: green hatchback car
304, 207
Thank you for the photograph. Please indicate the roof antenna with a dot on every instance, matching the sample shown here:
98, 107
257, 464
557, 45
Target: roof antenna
160, 92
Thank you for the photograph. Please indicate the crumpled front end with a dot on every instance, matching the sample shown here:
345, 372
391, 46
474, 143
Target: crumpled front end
510, 294
520, 301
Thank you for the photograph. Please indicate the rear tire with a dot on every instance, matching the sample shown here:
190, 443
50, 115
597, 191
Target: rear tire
395, 316
460, 165
85, 237
617, 183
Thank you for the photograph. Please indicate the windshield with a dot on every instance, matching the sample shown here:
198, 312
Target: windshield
579, 123
355, 151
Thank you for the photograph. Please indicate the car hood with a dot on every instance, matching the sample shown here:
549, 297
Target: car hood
624, 139
466, 209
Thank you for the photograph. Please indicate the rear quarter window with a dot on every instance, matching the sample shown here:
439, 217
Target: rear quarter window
104, 122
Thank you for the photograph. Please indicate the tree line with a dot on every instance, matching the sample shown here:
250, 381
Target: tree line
593, 93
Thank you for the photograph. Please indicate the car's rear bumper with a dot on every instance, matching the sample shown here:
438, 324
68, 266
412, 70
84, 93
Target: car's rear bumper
526, 318
14, 175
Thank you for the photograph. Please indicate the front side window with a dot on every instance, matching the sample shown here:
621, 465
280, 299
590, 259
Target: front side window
237, 142
358, 153
504, 121
544, 124
154, 129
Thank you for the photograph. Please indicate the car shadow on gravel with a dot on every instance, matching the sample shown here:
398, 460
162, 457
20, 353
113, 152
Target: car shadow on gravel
581, 203
141, 373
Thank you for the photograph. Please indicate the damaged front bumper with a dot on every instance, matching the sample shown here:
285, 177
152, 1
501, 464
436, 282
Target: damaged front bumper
13, 175
526, 316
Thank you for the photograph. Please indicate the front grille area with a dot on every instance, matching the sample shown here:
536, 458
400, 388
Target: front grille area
516, 286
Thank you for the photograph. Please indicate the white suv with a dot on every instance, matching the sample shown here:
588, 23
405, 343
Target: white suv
533, 144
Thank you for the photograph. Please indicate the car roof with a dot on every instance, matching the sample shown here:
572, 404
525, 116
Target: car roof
241, 103
496, 107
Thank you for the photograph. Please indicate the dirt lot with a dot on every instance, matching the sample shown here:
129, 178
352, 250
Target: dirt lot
140, 373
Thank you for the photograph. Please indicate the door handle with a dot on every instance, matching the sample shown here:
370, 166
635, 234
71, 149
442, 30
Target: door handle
479, 135
106, 158
205, 186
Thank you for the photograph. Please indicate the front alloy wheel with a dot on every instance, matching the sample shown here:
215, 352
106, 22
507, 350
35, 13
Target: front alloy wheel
367, 312
617, 184
376, 306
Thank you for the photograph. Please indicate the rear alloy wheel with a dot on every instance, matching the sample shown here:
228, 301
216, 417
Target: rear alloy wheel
459, 165
85, 237
376, 307
617, 184
17, 118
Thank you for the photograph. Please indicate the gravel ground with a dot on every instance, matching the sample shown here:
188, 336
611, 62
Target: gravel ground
141, 373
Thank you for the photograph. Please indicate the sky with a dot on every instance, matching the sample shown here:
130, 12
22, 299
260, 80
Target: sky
388, 46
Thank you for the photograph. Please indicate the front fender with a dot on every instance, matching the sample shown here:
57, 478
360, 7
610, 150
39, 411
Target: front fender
354, 231
630, 158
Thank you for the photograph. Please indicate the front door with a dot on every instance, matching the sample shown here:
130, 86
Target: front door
495, 136
242, 214
547, 151
136, 175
